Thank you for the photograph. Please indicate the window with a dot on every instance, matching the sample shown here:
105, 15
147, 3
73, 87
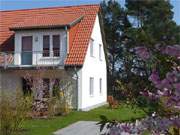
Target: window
46, 45
100, 51
56, 45
91, 47
100, 85
27, 43
26, 55
27, 86
46, 87
91, 86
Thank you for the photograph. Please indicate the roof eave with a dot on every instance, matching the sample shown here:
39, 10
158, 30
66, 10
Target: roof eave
37, 27
73, 65
47, 26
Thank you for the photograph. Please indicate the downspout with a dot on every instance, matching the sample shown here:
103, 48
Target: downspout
77, 89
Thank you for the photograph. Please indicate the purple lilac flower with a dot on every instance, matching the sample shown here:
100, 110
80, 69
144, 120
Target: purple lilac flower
173, 50
160, 48
169, 50
172, 76
177, 87
142, 52
154, 77
176, 122
165, 84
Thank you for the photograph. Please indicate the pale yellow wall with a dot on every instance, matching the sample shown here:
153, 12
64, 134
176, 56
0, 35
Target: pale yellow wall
12, 80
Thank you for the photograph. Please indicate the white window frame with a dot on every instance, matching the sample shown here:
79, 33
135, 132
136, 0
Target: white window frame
51, 45
100, 85
100, 51
92, 47
91, 86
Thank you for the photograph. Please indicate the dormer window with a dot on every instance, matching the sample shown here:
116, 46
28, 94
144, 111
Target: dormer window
56, 45
49, 46
91, 47
46, 46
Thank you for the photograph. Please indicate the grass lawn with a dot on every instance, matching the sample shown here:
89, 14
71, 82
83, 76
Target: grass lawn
48, 126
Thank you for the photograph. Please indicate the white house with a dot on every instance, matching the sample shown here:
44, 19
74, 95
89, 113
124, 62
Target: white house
65, 41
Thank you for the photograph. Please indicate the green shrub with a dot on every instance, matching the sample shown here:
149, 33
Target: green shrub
58, 105
14, 108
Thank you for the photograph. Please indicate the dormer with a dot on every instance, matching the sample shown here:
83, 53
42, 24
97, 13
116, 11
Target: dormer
43, 40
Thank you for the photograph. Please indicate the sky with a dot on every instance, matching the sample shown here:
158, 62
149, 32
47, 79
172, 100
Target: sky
26, 4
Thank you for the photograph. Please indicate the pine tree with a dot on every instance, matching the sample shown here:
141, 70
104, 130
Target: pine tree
115, 22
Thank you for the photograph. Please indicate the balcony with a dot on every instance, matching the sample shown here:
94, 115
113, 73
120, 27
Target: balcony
31, 59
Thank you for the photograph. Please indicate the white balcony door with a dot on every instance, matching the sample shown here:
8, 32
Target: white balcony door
26, 55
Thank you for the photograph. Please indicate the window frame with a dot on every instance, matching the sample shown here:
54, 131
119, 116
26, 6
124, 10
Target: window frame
44, 49
51, 50
100, 52
100, 85
59, 47
92, 47
91, 86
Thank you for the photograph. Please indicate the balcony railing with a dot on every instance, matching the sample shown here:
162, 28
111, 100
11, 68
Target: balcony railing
31, 58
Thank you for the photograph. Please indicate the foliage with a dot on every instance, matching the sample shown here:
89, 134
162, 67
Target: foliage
59, 103
14, 110
155, 125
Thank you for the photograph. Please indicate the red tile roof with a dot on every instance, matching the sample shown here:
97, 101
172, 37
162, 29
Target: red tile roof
44, 17
47, 21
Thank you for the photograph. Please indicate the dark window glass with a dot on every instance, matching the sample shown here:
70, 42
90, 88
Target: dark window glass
26, 55
56, 45
46, 85
26, 86
46, 45
27, 43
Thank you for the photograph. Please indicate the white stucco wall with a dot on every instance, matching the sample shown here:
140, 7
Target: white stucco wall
93, 67
37, 47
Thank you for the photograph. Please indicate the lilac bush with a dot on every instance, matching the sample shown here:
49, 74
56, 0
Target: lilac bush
164, 89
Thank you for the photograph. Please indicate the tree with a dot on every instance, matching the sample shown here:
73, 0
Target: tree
151, 67
151, 24
155, 21
115, 22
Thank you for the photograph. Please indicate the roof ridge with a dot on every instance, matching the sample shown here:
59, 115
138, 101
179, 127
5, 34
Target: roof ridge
81, 5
